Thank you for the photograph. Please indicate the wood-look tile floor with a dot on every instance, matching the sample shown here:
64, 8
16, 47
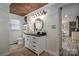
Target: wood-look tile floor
19, 50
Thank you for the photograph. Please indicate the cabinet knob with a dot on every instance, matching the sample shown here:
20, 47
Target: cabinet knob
33, 41
33, 45
34, 50
34, 38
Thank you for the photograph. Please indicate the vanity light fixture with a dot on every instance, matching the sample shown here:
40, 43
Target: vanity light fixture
44, 11
40, 13
25, 20
36, 14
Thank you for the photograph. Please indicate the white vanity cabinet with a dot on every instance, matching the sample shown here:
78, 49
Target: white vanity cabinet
36, 44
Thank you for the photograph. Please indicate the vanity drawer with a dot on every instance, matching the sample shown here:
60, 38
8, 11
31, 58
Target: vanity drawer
34, 45
35, 39
34, 42
27, 36
34, 49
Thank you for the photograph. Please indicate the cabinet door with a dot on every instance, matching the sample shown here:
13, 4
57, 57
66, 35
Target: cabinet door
43, 42
27, 41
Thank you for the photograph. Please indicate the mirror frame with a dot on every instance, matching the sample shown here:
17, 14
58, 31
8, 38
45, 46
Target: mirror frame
38, 19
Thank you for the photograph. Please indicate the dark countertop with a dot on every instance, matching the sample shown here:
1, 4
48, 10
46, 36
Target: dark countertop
35, 34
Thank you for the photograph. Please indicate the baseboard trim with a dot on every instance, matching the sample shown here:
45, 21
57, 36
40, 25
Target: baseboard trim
5, 54
52, 53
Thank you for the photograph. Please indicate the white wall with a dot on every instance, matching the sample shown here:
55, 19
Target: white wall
14, 34
4, 28
51, 18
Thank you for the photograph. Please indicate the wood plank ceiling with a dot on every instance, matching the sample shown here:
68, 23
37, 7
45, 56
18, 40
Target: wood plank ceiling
24, 8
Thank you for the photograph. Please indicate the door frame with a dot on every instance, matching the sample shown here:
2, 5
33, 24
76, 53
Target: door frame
60, 26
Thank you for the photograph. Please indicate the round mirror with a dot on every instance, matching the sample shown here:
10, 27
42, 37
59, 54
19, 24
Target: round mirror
38, 25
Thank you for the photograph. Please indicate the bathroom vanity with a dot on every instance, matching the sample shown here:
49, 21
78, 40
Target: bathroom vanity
36, 43
35, 40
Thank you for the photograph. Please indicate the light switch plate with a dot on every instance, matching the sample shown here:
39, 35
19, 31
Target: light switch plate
53, 26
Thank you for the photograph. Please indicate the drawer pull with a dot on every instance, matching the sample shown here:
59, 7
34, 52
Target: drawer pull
27, 36
27, 39
33, 41
34, 50
34, 38
33, 45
